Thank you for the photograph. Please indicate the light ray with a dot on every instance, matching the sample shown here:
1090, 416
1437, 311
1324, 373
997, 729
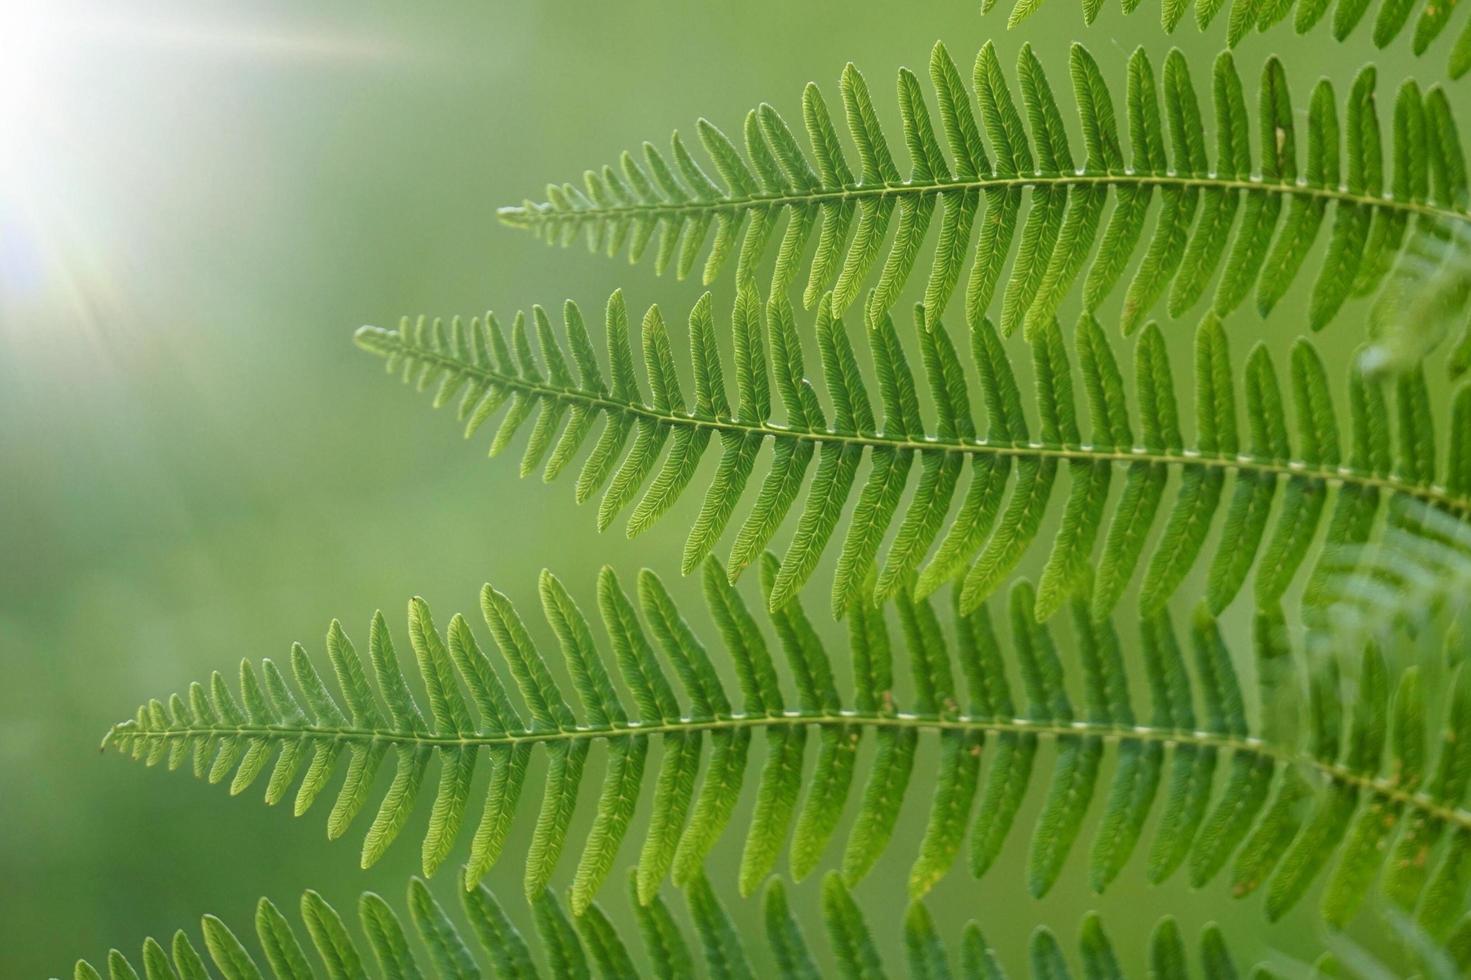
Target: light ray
79, 86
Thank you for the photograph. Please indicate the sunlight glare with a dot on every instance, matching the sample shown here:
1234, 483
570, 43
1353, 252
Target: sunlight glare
26, 36
81, 86
23, 30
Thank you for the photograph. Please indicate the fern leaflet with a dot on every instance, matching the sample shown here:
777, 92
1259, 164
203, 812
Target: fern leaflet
591, 945
1376, 216
1363, 473
1290, 800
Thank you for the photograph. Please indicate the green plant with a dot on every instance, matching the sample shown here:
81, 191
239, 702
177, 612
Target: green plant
1374, 220
1365, 471
1324, 772
1328, 786
589, 943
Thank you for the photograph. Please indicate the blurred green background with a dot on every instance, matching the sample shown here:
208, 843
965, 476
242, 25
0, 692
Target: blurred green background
199, 204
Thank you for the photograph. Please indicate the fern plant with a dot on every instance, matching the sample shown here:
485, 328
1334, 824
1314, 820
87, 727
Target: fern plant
1366, 470
1375, 215
591, 945
1320, 772
1365, 790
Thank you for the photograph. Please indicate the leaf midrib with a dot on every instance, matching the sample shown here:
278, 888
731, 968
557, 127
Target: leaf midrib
521, 214
1380, 786
1434, 494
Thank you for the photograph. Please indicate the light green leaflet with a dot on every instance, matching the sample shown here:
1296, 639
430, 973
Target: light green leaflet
1417, 571
994, 707
590, 945
1372, 217
1085, 434
1423, 305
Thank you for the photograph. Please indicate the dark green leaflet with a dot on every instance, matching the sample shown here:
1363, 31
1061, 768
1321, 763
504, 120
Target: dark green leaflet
1026, 153
991, 743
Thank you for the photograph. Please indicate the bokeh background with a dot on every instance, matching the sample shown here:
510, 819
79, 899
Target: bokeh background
198, 204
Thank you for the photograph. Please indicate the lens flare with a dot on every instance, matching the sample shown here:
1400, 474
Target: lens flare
86, 94
24, 39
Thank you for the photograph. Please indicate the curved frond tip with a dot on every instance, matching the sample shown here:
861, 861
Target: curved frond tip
1307, 466
1277, 199
591, 944
1306, 792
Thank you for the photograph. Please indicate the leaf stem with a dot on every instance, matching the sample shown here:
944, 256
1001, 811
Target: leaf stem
1433, 494
523, 216
1386, 788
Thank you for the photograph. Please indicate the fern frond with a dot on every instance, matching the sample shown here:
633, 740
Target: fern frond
979, 189
590, 945
1304, 466
1246, 16
1330, 791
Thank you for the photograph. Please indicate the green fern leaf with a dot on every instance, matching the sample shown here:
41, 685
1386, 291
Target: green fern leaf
1322, 781
1061, 224
592, 945
1293, 463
